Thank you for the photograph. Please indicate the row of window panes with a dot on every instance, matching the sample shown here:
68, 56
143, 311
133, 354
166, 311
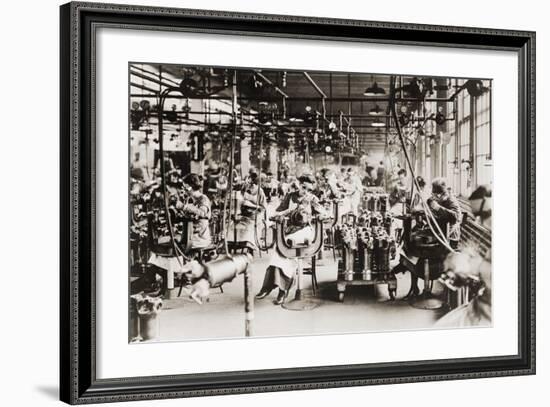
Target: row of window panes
458, 172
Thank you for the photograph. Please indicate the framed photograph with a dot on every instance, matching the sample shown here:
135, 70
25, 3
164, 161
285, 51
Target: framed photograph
255, 203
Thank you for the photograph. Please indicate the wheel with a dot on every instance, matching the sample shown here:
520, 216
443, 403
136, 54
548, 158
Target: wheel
392, 292
341, 297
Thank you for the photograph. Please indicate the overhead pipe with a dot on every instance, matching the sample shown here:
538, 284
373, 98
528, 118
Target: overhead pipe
301, 98
251, 122
137, 85
205, 113
153, 73
362, 116
154, 80
315, 86
342, 116
329, 98
269, 82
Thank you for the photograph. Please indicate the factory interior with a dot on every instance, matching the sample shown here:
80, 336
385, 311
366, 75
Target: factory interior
273, 202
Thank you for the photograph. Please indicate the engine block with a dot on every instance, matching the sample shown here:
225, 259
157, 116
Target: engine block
367, 247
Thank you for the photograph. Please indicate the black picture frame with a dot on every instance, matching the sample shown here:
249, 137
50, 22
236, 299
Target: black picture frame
78, 382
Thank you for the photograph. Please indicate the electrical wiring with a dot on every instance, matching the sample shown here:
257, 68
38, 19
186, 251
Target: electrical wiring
439, 235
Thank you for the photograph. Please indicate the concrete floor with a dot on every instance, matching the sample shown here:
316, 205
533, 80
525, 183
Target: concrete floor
365, 309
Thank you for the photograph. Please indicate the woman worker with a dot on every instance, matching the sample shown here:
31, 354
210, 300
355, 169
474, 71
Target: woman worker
253, 201
198, 209
421, 196
354, 190
299, 206
328, 190
192, 204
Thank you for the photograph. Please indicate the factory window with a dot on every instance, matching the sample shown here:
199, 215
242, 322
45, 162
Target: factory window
483, 159
451, 151
464, 147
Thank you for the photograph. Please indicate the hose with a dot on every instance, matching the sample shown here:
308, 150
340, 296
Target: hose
439, 235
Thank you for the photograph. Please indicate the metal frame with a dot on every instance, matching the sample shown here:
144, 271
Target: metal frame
78, 380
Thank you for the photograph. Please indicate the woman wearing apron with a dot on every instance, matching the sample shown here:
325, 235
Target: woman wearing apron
252, 202
197, 208
299, 206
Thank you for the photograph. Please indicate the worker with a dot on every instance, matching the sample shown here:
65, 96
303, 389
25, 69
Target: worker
400, 193
270, 186
252, 201
420, 196
446, 210
298, 206
212, 175
481, 203
369, 180
198, 209
380, 175
329, 185
354, 190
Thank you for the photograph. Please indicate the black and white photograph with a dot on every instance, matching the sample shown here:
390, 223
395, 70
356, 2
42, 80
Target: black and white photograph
270, 202
290, 203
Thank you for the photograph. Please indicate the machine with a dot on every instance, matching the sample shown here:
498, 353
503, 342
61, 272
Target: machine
367, 247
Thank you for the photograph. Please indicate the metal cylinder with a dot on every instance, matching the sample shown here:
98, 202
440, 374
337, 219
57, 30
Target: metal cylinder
348, 264
248, 302
134, 319
365, 261
149, 322
170, 278
226, 268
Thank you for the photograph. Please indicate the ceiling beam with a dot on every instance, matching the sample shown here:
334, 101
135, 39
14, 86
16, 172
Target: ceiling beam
297, 98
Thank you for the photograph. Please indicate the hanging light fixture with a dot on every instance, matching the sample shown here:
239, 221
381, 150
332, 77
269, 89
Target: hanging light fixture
378, 123
475, 87
376, 111
374, 90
